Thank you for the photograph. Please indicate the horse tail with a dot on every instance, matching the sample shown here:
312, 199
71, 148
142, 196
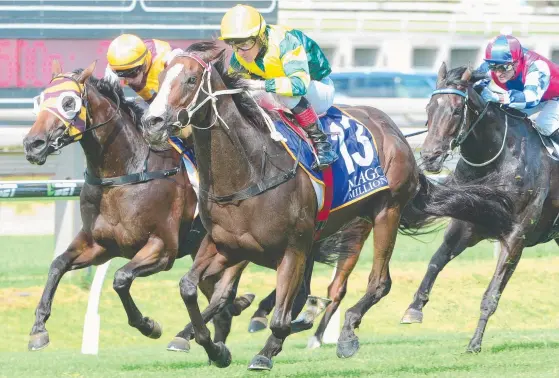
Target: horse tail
340, 245
482, 204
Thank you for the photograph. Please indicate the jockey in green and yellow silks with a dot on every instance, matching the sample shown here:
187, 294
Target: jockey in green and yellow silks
285, 63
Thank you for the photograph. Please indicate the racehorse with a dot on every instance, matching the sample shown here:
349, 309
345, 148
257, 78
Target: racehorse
149, 222
497, 145
257, 206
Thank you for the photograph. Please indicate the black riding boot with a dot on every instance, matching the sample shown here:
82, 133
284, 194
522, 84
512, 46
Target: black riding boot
308, 120
555, 136
324, 151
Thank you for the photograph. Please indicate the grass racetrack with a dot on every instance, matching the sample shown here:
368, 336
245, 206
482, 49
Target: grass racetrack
522, 338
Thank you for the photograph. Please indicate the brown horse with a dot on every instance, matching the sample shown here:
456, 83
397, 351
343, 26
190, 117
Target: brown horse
150, 222
497, 145
257, 206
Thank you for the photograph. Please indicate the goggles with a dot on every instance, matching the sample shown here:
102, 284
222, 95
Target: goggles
242, 44
129, 73
506, 67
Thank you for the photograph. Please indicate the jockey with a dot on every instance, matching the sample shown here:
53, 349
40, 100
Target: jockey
139, 63
285, 63
529, 81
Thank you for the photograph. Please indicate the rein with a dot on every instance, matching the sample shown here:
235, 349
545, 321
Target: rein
463, 133
134, 178
263, 184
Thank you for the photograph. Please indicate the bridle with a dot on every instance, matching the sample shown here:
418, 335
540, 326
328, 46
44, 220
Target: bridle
463, 133
66, 139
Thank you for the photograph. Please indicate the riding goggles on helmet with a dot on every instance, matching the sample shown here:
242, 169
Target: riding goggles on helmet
129, 73
504, 67
241, 44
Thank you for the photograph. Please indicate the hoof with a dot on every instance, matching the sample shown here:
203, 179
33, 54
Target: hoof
257, 324
473, 349
156, 331
314, 343
260, 362
300, 325
412, 316
38, 341
245, 300
347, 348
178, 344
223, 357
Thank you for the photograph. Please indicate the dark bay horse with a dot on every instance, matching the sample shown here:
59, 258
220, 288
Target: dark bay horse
497, 145
150, 222
256, 206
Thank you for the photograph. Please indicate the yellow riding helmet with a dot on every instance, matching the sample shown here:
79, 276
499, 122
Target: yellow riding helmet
241, 22
127, 51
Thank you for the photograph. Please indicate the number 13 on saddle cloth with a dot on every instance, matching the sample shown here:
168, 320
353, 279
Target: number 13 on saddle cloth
356, 175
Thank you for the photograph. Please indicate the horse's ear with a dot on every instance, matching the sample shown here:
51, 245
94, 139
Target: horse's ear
87, 72
218, 61
475, 98
56, 69
218, 55
442, 74
466, 76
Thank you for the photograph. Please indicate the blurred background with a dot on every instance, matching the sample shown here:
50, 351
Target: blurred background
384, 54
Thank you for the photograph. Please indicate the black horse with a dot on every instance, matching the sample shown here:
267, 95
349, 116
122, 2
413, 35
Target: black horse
497, 145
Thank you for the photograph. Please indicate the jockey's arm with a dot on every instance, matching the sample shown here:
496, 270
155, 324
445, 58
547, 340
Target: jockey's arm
536, 84
296, 67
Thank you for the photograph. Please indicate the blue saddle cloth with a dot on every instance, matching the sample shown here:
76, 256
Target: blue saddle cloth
357, 172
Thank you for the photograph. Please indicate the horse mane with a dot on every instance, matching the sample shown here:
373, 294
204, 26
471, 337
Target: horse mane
113, 90
244, 102
454, 77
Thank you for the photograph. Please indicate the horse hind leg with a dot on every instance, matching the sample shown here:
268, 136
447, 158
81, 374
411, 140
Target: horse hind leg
511, 251
458, 236
336, 292
259, 320
81, 253
385, 230
149, 260
338, 287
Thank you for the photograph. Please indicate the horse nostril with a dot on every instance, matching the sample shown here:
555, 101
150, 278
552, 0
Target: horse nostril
37, 144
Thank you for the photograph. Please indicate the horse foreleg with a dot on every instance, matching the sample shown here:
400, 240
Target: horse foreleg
81, 253
511, 251
290, 274
458, 236
149, 260
207, 264
222, 320
385, 231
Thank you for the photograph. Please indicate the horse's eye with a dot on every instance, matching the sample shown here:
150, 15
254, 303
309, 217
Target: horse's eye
191, 80
68, 103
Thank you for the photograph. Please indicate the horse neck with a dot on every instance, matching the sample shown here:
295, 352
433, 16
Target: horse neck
114, 149
230, 159
486, 140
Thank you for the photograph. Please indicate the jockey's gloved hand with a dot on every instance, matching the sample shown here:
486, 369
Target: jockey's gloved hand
253, 85
489, 95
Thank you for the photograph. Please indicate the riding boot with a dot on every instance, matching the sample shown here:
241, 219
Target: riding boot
308, 120
555, 136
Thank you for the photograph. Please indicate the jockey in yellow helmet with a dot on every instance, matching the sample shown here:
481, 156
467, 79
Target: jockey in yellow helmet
285, 63
139, 62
